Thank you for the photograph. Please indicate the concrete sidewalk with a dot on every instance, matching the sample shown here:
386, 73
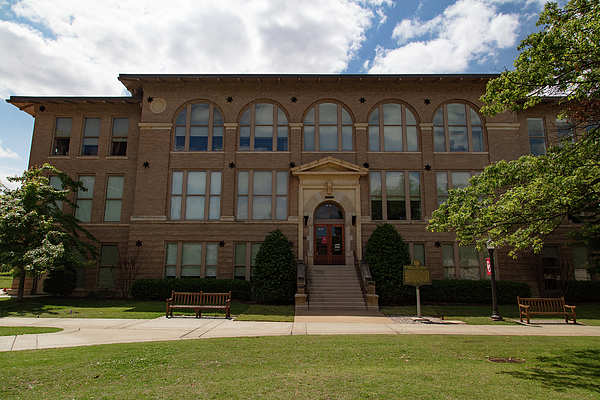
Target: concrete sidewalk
85, 332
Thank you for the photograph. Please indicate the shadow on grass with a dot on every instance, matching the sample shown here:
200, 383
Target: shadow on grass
574, 369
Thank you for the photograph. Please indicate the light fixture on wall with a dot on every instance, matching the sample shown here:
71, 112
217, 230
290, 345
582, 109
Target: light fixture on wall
353, 219
305, 219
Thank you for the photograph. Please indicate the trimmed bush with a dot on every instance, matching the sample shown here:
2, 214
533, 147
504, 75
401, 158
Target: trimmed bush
275, 269
60, 281
582, 292
387, 254
473, 292
160, 289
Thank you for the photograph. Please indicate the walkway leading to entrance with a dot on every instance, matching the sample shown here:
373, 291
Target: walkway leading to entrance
353, 317
87, 331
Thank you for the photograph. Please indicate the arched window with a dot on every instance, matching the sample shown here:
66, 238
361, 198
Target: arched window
329, 211
328, 127
199, 127
264, 127
393, 127
457, 127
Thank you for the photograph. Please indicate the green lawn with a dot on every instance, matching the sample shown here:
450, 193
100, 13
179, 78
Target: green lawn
5, 281
268, 313
480, 315
25, 330
307, 367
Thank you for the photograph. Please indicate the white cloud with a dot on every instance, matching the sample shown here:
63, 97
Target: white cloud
8, 153
81, 46
6, 171
466, 31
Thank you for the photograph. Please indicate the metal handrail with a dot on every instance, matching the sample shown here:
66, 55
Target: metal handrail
364, 275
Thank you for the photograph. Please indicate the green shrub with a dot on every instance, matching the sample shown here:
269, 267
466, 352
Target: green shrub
473, 292
60, 281
160, 289
583, 292
275, 269
387, 254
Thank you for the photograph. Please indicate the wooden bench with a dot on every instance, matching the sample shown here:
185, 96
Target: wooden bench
536, 306
198, 302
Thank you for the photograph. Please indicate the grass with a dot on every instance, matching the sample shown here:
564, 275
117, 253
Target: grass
588, 314
307, 367
268, 313
5, 281
25, 330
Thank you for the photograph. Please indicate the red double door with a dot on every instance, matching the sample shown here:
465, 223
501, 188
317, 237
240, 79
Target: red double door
329, 244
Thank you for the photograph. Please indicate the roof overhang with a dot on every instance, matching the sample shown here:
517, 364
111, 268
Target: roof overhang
29, 103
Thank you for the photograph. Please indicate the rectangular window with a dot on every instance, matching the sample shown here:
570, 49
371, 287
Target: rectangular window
114, 198
448, 261
107, 267
418, 253
62, 136
245, 256
564, 131
262, 195
392, 191
91, 135
196, 195
191, 260
469, 262
57, 185
580, 263
537, 136
458, 180
84, 199
120, 131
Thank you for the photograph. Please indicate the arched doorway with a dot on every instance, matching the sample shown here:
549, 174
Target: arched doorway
329, 235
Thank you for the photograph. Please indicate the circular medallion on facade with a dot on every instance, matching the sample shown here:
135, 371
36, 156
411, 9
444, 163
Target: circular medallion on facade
158, 105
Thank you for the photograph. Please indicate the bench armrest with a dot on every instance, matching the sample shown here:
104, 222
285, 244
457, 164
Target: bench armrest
524, 306
571, 307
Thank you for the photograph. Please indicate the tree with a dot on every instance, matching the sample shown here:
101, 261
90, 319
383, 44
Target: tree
387, 254
519, 203
35, 235
275, 269
126, 269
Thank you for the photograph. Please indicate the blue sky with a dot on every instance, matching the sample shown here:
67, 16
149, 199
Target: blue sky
79, 47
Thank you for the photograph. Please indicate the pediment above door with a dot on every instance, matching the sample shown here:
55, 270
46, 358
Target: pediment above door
329, 166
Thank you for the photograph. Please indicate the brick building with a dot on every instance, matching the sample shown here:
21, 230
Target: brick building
199, 168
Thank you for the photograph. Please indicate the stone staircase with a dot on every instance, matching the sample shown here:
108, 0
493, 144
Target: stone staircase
334, 288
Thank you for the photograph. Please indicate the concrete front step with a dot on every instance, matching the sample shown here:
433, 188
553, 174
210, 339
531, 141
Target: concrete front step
334, 287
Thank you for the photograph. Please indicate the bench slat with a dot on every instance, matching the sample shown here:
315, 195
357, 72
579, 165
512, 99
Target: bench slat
541, 306
198, 302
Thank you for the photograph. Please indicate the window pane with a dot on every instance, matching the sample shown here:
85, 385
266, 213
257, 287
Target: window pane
261, 207
457, 136
442, 183
262, 182
240, 272
215, 182
374, 138
242, 207
449, 273
537, 146
263, 138
182, 117
410, 118
63, 126
376, 208
310, 117
471, 274
535, 126
456, 114
217, 117
171, 256
281, 118
217, 138
477, 138
170, 271
346, 120
415, 208
412, 142
309, 138
177, 184
254, 247
448, 255
439, 117
194, 207
179, 138
89, 146
198, 138
396, 208
374, 119
281, 182
191, 253
580, 257
263, 114
281, 207
92, 127
240, 254
214, 210
243, 182
190, 271
282, 138
106, 277
84, 212
392, 114
120, 127
112, 213
460, 179
108, 254
200, 114
328, 113
328, 138
475, 120
346, 138
115, 187
210, 271
57, 185
376, 183
196, 182
419, 252
246, 117
175, 207
468, 256
245, 138
414, 183
439, 138
211, 253
394, 183
392, 138
88, 183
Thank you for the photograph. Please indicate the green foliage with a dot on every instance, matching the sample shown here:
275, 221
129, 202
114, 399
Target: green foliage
387, 254
160, 289
473, 292
582, 292
275, 270
61, 281
35, 235
560, 60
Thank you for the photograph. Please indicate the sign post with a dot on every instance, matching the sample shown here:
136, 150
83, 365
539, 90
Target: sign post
417, 275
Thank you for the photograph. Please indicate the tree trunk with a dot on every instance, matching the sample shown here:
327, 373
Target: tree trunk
21, 286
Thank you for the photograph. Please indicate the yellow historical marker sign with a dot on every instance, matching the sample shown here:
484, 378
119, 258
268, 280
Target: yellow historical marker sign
416, 274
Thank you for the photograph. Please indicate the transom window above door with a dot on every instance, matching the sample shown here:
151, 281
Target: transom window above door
457, 127
264, 127
328, 127
329, 211
392, 127
199, 127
